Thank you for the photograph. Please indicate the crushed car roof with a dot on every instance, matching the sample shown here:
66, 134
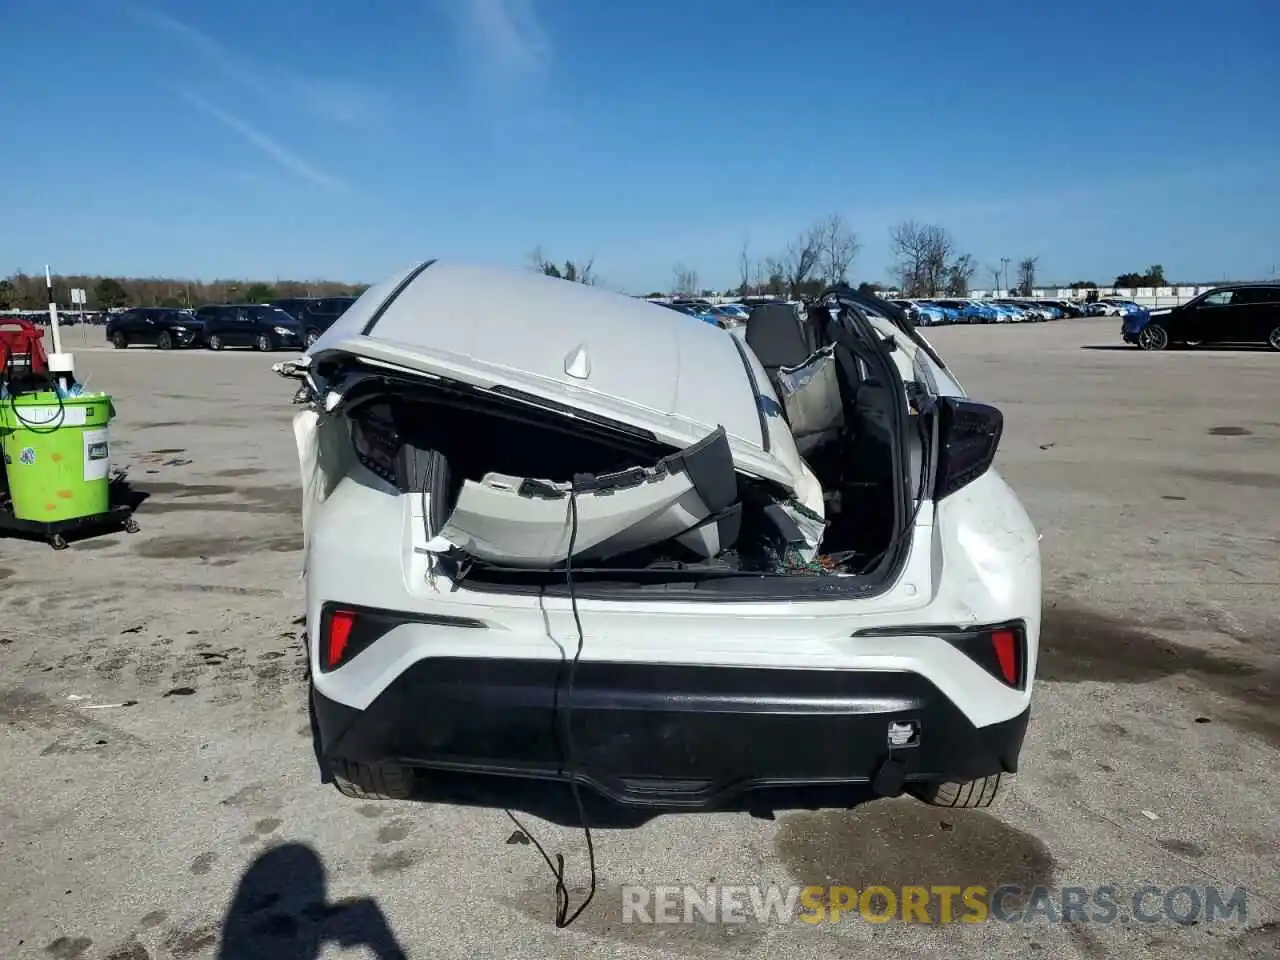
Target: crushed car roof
575, 345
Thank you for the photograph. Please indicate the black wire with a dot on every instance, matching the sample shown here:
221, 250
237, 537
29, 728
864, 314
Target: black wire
53, 423
570, 755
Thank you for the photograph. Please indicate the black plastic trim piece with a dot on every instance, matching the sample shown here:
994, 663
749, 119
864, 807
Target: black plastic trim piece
372, 623
664, 735
969, 436
755, 393
973, 642
401, 287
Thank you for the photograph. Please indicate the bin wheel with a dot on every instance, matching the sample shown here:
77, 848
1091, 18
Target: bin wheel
58, 542
131, 526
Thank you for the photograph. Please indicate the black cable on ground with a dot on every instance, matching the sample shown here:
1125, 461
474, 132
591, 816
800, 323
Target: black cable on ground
570, 756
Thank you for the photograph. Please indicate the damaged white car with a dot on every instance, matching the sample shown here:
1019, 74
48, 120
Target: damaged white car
555, 532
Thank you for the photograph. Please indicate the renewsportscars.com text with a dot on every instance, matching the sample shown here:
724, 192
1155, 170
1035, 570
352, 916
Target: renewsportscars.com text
1007, 903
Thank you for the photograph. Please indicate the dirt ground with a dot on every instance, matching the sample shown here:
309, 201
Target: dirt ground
160, 799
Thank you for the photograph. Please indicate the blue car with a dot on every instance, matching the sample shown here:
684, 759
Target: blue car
925, 315
733, 312
1133, 318
949, 314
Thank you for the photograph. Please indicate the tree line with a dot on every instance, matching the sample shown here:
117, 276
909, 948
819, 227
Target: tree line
927, 263
21, 291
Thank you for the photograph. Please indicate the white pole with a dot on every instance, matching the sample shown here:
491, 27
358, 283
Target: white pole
53, 311
60, 364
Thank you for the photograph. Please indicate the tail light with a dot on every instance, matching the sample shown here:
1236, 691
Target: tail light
346, 630
968, 436
999, 650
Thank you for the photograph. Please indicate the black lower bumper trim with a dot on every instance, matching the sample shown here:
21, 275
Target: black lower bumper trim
669, 736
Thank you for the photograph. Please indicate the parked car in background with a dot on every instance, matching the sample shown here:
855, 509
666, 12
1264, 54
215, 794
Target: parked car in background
250, 325
1242, 313
314, 314
168, 328
949, 314
735, 312
913, 312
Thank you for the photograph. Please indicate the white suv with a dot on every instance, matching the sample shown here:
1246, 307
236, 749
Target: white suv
556, 532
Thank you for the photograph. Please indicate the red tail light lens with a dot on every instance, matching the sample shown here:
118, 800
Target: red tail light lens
346, 630
340, 625
1007, 651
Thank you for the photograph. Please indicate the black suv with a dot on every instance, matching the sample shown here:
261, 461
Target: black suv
163, 327
249, 325
315, 314
1240, 313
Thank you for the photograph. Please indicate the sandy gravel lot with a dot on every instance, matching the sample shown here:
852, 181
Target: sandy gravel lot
191, 823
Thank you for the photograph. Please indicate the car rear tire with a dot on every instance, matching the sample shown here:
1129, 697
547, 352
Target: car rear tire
311, 337
215, 342
1153, 337
974, 795
165, 341
362, 781
263, 343
1273, 341
119, 340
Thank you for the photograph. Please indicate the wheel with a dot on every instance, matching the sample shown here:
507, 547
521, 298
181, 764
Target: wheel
1153, 337
973, 795
1273, 341
119, 340
215, 342
263, 343
364, 781
131, 526
312, 337
165, 341
58, 542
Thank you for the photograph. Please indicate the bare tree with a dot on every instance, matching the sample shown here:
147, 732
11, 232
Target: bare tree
923, 255
995, 280
837, 248
684, 280
959, 275
1027, 275
744, 267
572, 270
797, 264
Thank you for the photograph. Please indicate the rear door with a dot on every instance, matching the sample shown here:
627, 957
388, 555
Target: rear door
1260, 313
240, 327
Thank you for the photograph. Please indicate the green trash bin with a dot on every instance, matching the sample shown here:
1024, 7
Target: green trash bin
57, 455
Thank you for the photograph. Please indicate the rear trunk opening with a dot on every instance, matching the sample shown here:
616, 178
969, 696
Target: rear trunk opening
463, 448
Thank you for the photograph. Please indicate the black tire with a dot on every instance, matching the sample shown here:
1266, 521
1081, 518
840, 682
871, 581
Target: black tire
974, 795
215, 342
165, 341
119, 340
311, 337
263, 343
364, 781
1273, 341
1153, 337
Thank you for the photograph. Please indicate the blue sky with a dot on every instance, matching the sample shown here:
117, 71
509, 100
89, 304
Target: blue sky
343, 139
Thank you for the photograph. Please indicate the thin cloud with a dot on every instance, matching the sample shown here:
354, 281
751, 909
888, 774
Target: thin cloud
282, 155
506, 34
337, 101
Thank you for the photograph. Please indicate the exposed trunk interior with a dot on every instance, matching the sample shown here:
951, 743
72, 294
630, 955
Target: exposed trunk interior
429, 435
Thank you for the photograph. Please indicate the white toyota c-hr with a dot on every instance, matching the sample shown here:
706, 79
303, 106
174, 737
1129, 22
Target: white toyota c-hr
555, 532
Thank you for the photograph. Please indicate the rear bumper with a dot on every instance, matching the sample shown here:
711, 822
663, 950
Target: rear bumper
656, 735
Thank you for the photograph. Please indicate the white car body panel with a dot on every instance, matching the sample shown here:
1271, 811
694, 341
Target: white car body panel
973, 560
676, 373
